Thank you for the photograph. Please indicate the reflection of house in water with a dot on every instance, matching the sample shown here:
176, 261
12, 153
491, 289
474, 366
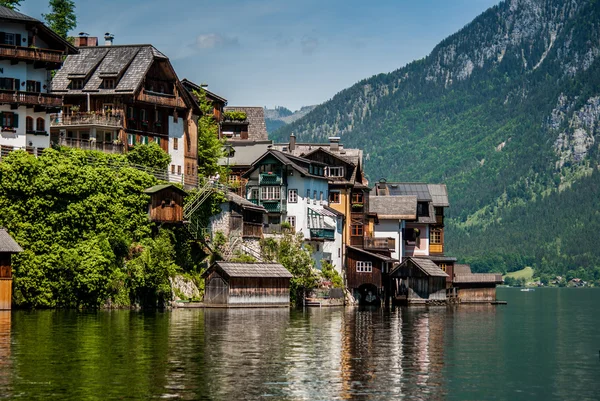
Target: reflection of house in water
5, 359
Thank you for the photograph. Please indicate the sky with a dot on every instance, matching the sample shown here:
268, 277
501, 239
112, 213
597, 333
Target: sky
270, 53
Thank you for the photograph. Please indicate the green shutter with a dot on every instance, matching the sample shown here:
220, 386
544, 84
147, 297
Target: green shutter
15, 120
158, 140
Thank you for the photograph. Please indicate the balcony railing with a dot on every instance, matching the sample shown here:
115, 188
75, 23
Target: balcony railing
30, 53
252, 230
30, 98
322, 233
58, 120
436, 248
162, 99
272, 206
269, 179
380, 243
87, 144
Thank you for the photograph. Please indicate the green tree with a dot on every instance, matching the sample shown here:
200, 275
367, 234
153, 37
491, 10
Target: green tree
330, 274
150, 155
12, 4
61, 19
210, 147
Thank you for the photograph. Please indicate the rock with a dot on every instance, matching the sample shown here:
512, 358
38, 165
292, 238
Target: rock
183, 288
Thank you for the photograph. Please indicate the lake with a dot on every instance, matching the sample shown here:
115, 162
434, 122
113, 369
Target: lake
543, 345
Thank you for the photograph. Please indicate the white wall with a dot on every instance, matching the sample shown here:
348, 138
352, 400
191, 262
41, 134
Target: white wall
177, 156
335, 247
390, 229
300, 209
20, 138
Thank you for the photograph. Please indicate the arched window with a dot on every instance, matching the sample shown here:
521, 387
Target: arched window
40, 124
29, 124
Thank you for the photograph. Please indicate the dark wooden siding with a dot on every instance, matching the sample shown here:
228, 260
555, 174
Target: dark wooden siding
166, 206
5, 269
259, 291
356, 279
474, 295
5, 282
216, 291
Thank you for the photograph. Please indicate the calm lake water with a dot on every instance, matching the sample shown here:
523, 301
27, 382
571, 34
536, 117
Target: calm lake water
543, 345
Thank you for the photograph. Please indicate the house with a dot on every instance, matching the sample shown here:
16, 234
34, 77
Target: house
392, 213
8, 247
29, 51
118, 96
239, 218
218, 103
238, 158
231, 285
244, 123
294, 190
366, 274
166, 203
475, 287
418, 281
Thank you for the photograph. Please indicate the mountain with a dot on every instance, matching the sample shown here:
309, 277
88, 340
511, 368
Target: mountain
506, 112
280, 116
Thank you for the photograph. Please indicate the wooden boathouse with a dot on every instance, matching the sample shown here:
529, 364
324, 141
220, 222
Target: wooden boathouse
240, 285
8, 247
418, 281
166, 203
475, 287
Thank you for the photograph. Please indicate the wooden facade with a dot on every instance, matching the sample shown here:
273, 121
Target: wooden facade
366, 272
477, 294
475, 287
8, 247
166, 204
419, 281
233, 285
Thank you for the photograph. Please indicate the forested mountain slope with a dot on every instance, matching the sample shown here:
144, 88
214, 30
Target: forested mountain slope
506, 113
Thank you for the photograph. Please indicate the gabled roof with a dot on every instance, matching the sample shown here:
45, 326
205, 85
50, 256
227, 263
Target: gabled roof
255, 116
462, 269
374, 255
7, 243
489, 278
6, 14
421, 190
297, 163
425, 265
161, 187
190, 86
244, 152
262, 270
394, 207
439, 194
244, 203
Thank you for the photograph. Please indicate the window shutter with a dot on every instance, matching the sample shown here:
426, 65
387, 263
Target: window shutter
2, 38
38, 86
15, 120
17, 84
2, 119
18, 39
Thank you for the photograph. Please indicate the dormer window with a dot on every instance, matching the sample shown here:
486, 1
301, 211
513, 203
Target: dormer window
336, 171
77, 84
108, 83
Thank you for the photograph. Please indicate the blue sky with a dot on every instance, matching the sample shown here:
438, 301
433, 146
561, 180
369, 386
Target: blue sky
275, 52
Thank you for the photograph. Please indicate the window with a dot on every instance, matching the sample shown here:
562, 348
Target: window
108, 136
314, 195
29, 124
10, 84
334, 197
291, 220
130, 139
10, 119
357, 197
364, 267
156, 116
77, 84
40, 124
270, 193
254, 193
175, 143
321, 196
293, 196
179, 170
422, 209
336, 171
10, 39
172, 169
307, 194
33, 86
145, 140
356, 230
274, 219
435, 236
157, 140
130, 114
443, 266
107, 107
108, 83
143, 115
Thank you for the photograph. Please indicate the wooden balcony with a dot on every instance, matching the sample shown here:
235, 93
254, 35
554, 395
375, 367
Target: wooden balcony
87, 144
30, 54
58, 120
387, 244
254, 230
161, 99
436, 248
357, 241
30, 98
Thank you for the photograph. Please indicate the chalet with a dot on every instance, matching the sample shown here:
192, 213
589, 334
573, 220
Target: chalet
118, 96
231, 285
218, 103
8, 247
239, 218
366, 274
243, 123
29, 51
295, 190
166, 203
392, 214
238, 157
475, 287
418, 281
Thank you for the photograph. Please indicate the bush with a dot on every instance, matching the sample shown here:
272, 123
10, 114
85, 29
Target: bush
150, 155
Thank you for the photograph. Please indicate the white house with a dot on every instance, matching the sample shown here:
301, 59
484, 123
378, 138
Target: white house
29, 51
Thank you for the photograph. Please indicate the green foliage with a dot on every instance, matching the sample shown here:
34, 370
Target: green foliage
330, 274
286, 225
235, 115
61, 18
150, 155
243, 258
12, 4
296, 258
210, 147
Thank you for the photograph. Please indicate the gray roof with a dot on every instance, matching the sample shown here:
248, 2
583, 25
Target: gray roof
255, 116
375, 255
158, 188
421, 190
428, 267
478, 278
268, 270
245, 152
436, 258
394, 207
462, 269
297, 163
244, 203
439, 194
430, 219
129, 62
7, 243
191, 86
354, 156
7, 13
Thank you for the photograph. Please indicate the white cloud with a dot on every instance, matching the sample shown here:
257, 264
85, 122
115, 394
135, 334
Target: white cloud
215, 40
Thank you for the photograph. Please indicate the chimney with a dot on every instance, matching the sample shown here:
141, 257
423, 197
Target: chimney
108, 39
292, 143
85, 40
334, 143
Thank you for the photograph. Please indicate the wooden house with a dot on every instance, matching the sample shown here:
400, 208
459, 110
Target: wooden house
239, 218
8, 247
366, 274
230, 285
475, 287
166, 203
418, 281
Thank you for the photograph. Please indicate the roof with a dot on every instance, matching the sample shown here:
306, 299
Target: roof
394, 207
94, 63
297, 163
354, 156
158, 188
421, 190
12, 15
244, 203
439, 194
436, 258
189, 86
430, 218
7, 243
478, 278
321, 211
255, 116
332, 210
425, 265
462, 269
265, 270
245, 152
375, 255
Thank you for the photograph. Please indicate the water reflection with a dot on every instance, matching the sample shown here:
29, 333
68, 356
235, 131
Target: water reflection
5, 356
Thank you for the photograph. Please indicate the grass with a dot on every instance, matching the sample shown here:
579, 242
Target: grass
526, 273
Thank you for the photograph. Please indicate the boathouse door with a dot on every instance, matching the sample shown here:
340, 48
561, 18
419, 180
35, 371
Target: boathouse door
216, 292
